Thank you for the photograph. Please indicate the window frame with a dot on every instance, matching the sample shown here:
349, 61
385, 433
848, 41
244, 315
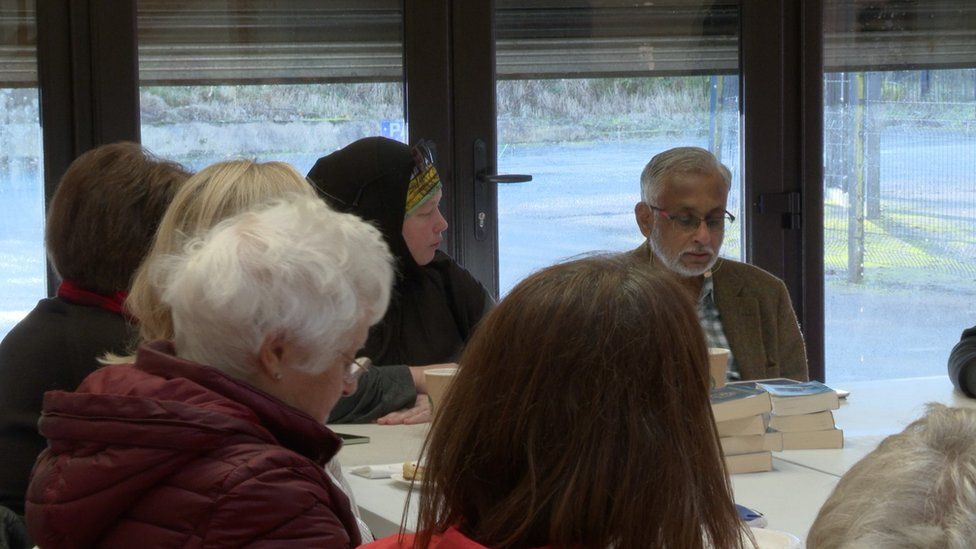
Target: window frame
88, 78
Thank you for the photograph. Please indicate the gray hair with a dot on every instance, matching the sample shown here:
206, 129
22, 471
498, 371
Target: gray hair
294, 268
679, 160
917, 489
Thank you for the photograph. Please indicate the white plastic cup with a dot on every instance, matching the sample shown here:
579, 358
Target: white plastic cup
718, 363
438, 380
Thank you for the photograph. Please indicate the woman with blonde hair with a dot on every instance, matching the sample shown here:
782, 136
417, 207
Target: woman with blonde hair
217, 192
579, 418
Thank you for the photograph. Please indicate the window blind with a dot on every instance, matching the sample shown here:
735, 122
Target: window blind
214, 41
18, 45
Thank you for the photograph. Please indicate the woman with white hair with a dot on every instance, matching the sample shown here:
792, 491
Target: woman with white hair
217, 438
916, 490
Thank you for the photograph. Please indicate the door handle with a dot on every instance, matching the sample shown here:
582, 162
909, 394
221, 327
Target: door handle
508, 178
482, 191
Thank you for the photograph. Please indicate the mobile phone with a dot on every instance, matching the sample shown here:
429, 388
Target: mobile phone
353, 439
751, 517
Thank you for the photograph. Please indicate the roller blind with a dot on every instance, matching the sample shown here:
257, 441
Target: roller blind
18, 44
899, 35
197, 41
612, 38
559, 39
213, 41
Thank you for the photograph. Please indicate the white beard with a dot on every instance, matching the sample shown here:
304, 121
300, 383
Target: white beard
673, 263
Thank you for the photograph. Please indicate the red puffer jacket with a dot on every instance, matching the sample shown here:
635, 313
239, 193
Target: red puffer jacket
168, 453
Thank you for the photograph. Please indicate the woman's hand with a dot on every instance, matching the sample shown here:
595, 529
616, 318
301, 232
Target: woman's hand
420, 413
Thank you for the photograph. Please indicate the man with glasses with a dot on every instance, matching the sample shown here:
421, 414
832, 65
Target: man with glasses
683, 215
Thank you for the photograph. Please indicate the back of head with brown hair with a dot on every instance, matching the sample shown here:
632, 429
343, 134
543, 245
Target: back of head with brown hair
580, 417
103, 216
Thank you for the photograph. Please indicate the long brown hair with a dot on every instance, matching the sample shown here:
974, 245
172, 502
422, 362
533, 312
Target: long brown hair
580, 418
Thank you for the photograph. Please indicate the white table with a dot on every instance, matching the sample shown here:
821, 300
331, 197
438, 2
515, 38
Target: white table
381, 501
873, 411
789, 496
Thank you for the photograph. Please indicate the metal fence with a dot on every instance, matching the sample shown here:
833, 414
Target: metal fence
900, 173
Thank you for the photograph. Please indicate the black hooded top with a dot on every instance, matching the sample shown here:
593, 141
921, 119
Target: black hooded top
962, 363
433, 308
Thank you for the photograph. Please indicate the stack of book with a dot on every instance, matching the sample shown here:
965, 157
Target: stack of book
741, 413
759, 417
801, 414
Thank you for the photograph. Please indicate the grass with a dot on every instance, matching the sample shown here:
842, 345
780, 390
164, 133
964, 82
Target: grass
894, 256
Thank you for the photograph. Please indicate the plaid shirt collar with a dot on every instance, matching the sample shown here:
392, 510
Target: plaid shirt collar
711, 323
707, 295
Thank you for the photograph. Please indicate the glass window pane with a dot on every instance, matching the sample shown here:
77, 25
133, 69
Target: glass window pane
586, 96
899, 198
22, 261
285, 80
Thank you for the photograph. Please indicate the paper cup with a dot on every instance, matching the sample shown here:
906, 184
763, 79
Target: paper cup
438, 380
718, 363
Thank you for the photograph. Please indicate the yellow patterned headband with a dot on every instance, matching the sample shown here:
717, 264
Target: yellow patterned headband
424, 179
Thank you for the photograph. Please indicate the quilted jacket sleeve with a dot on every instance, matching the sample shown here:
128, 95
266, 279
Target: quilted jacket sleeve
382, 389
282, 505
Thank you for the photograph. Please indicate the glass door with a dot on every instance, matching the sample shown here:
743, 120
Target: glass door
586, 94
899, 198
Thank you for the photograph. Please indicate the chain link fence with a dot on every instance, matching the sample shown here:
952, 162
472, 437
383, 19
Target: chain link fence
900, 173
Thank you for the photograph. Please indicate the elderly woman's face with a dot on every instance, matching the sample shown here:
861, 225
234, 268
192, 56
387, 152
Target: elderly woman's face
422, 230
317, 394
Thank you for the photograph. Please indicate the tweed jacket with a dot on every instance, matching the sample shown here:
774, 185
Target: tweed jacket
757, 317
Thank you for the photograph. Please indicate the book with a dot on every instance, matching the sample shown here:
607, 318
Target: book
817, 421
749, 444
736, 401
752, 425
813, 440
749, 463
789, 397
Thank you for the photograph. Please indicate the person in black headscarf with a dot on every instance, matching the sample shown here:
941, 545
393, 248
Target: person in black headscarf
435, 303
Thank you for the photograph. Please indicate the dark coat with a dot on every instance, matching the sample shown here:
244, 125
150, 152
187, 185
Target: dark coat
53, 348
168, 453
962, 363
757, 317
433, 308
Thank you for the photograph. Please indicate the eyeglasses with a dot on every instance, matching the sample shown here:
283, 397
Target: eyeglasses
689, 223
356, 368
